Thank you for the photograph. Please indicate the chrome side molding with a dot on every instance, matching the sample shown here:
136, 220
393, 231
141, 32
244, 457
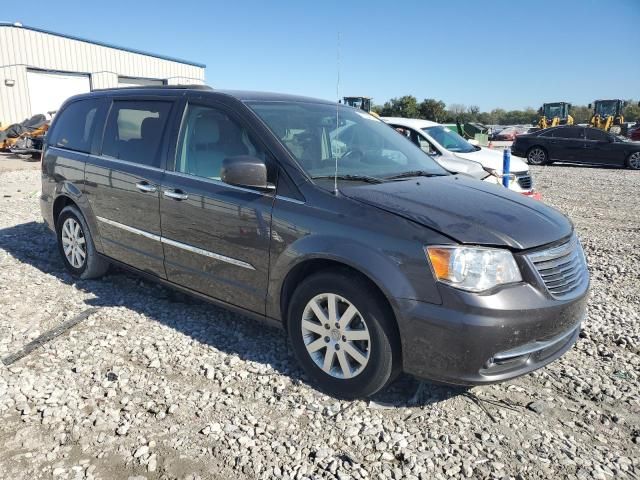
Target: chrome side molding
173, 243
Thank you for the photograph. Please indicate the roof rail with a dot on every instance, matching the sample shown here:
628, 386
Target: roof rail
156, 87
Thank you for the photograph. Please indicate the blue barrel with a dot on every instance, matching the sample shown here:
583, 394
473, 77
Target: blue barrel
506, 166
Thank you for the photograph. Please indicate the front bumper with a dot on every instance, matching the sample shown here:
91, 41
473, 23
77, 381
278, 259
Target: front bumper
475, 339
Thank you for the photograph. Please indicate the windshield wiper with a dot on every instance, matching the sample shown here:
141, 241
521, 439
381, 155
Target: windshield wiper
414, 173
354, 178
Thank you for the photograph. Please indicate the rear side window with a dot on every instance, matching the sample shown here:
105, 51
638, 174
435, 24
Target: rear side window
134, 131
570, 133
75, 126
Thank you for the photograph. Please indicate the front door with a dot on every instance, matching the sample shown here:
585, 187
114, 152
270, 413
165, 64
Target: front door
215, 236
123, 182
598, 148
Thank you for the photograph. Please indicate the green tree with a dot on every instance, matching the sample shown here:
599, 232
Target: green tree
580, 113
456, 111
473, 112
632, 111
431, 109
406, 107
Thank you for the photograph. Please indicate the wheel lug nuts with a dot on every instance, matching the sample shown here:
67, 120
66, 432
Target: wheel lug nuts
337, 347
327, 339
344, 339
327, 326
337, 325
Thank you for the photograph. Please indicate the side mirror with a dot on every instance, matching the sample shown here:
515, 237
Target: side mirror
245, 171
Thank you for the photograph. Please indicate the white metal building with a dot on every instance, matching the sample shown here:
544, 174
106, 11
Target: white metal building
40, 69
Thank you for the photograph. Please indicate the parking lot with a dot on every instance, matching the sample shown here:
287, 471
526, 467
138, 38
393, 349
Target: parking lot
156, 384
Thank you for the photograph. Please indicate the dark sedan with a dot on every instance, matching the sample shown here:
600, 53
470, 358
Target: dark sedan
577, 145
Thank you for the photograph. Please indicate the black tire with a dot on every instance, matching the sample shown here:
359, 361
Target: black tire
92, 266
633, 161
537, 155
383, 350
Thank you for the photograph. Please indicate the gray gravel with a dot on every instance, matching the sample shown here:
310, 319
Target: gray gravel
158, 385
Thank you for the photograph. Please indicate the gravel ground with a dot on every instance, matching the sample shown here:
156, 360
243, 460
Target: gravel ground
157, 385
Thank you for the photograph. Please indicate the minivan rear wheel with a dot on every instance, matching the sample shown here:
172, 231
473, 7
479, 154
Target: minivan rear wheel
342, 334
76, 245
537, 156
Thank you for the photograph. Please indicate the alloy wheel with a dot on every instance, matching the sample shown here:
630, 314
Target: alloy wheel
537, 156
74, 243
634, 161
336, 336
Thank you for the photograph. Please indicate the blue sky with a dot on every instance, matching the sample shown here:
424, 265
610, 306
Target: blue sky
509, 54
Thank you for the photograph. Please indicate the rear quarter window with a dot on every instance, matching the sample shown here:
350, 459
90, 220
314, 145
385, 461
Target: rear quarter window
75, 126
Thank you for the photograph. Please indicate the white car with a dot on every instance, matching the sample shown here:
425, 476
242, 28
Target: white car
448, 148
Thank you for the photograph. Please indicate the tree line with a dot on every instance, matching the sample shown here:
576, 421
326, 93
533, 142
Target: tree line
436, 110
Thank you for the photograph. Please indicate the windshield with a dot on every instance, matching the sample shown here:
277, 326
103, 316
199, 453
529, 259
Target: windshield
449, 140
553, 111
605, 109
363, 145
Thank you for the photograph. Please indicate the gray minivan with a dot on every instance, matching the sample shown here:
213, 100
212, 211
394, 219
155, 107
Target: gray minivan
321, 219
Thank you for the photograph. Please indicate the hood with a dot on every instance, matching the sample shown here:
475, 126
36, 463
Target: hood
459, 165
493, 159
469, 211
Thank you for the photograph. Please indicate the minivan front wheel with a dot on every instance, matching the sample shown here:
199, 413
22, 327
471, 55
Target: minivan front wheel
537, 156
76, 245
342, 335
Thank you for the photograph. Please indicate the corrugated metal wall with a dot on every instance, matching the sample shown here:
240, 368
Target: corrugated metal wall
21, 48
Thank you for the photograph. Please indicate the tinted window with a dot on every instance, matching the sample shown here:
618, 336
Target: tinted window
209, 136
75, 126
570, 133
134, 131
595, 134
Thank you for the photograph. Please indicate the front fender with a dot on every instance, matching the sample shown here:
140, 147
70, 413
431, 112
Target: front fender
392, 270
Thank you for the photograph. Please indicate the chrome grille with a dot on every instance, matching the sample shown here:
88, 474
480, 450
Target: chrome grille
562, 269
525, 182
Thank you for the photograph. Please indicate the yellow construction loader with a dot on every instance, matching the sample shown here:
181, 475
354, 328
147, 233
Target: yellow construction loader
363, 103
608, 115
554, 114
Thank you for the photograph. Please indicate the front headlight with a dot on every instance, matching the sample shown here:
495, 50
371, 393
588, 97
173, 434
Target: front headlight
474, 269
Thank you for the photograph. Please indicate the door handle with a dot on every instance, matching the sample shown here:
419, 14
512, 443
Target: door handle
146, 187
175, 194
